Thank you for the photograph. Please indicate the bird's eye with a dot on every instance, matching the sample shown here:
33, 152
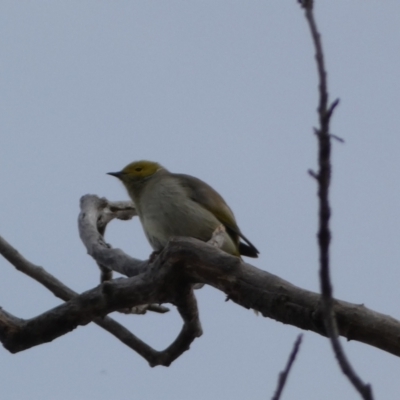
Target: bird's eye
138, 169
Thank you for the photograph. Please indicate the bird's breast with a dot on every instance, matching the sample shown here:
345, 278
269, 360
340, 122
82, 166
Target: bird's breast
166, 211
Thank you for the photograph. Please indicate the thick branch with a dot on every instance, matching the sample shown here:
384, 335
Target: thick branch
168, 278
91, 205
17, 334
188, 259
154, 357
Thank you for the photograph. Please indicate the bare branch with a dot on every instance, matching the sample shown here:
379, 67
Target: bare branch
250, 292
18, 334
325, 112
92, 221
313, 174
337, 138
185, 261
65, 293
285, 373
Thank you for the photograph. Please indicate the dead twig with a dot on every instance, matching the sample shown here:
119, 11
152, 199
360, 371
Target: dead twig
285, 373
325, 111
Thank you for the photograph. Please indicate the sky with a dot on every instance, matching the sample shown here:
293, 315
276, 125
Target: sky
225, 91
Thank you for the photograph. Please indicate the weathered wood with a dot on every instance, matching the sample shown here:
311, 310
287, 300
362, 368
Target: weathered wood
168, 278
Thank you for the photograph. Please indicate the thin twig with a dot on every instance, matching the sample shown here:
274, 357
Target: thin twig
337, 138
285, 373
325, 112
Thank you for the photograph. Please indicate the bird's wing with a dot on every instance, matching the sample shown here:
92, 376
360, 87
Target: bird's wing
207, 197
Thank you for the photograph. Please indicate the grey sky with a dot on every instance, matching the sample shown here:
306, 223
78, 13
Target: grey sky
225, 91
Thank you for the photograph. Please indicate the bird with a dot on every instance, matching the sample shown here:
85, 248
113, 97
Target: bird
170, 205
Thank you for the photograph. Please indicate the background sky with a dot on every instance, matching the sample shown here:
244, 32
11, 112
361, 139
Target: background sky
225, 91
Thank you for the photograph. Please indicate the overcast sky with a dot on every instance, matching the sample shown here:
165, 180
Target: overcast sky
225, 91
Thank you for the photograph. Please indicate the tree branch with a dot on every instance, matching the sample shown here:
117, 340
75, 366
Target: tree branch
285, 373
18, 334
63, 292
323, 177
185, 261
169, 278
95, 214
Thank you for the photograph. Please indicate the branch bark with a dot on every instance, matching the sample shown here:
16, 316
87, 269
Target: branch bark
169, 278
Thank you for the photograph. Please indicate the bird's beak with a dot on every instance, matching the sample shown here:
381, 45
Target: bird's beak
116, 174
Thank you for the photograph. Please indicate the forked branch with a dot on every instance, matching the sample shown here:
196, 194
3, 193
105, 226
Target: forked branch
169, 279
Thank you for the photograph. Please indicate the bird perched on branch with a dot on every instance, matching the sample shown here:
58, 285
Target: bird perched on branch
171, 205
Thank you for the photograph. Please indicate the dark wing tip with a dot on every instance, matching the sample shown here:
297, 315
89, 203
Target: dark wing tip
248, 251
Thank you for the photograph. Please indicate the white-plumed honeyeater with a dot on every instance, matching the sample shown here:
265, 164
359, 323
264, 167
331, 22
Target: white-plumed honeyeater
171, 205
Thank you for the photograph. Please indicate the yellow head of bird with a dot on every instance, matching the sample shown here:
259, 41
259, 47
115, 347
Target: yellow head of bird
137, 171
